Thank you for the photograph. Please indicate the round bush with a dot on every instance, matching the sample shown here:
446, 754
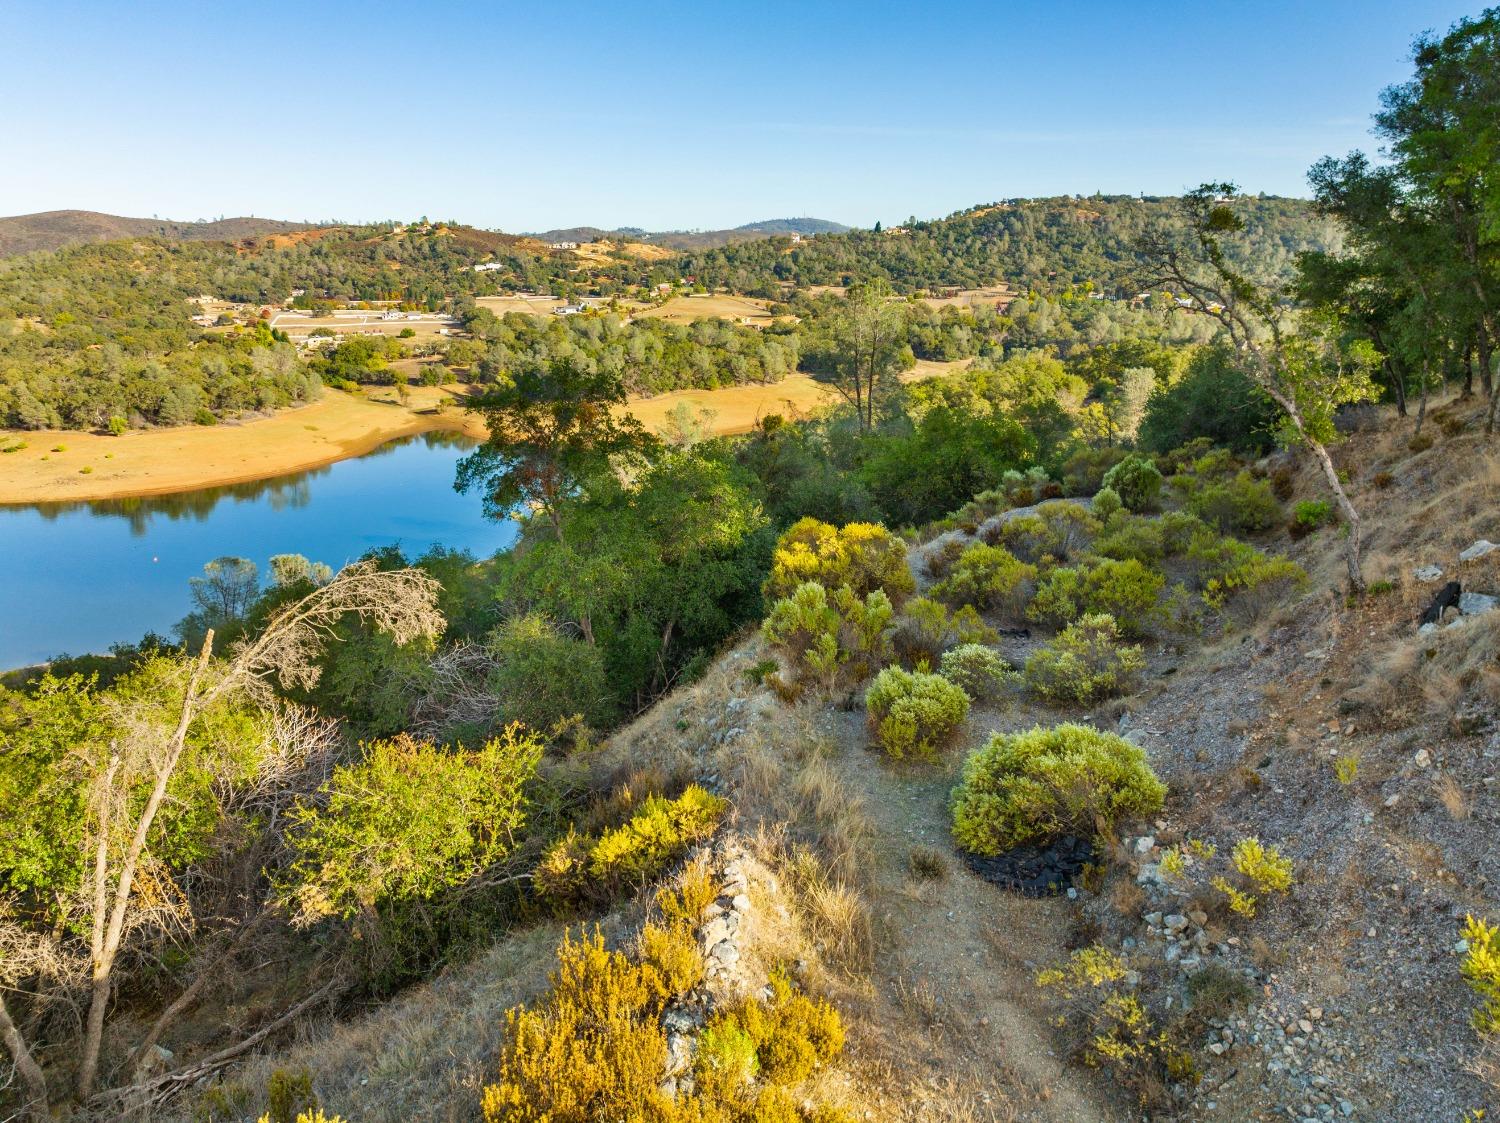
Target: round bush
1106, 502
1136, 481
1084, 663
1036, 785
987, 577
914, 713
976, 670
863, 556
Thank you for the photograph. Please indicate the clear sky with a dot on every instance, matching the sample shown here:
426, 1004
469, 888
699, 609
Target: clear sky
664, 115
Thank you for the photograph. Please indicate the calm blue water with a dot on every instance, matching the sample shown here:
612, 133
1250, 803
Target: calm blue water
77, 577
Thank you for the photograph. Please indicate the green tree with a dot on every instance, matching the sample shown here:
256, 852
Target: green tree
1303, 373
868, 334
552, 427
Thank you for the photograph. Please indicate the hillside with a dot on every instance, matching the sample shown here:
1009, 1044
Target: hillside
697, 239
52, 230
1337, 999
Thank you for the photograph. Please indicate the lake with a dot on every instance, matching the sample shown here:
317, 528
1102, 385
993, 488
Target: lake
78, 577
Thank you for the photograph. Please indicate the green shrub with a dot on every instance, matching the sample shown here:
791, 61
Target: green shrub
977, 670
543, 677
1308, 516
579, 867
1136, 480
1133, 536
1241, 503
914, 713
1083, 473
988, 577
925, 629
1107, 503
117, 426
828, 641
1125, 590
864, 556
1038, 784
1249, 589
1481, 970
1053, 533
1084, 664
794, 1034
409, 820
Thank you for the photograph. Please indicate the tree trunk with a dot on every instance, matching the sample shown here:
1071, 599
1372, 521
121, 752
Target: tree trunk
106, 940
1352, 544
30, 1072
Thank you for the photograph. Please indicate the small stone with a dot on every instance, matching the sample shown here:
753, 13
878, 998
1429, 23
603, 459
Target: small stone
1304, 1025
1428, 572
1478, 550
1423, 759
741, 903
1176, 922
1461, 948
1346, 1108
1152, 919
1144, 844
1217, 1048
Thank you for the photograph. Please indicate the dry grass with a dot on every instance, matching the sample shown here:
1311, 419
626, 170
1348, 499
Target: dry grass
423, 1055
159, 461
686, 309
1452, 796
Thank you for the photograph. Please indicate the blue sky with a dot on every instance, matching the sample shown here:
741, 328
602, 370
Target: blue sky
663, 115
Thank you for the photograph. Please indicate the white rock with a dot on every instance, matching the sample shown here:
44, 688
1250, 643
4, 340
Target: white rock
1472, 604
1144, 844
1423, 759
1478, 550
1428, 573
1426, 629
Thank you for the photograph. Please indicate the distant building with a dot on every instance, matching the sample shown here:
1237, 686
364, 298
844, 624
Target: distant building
796, 238
568, 310
489, 267
563, 246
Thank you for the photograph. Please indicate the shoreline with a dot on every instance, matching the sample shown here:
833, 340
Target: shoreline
338, 426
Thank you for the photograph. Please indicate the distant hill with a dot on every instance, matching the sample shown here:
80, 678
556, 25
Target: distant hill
697, 239
51, 230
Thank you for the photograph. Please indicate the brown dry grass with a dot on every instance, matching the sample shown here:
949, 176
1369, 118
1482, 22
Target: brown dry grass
159, 461
685, 309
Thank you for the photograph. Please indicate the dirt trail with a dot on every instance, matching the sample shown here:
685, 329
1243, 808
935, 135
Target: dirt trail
957, 955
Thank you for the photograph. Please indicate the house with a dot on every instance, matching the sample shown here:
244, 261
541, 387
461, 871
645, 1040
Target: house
568, 310
563, 246
489, 267
796, 238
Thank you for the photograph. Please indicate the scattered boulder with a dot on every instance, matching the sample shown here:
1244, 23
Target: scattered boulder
1478, 550
1447, 597
1428, 573
1473, 604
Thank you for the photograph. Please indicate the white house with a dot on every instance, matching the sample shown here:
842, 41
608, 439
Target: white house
563, 246
489, 267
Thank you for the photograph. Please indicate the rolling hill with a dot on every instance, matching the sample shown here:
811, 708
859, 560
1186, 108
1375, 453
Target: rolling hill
52, 230
697, 239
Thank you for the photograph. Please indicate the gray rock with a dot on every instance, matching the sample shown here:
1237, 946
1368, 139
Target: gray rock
1478, 550
1428, 573
725, 952
1426, 629
1144, 844
1472, 604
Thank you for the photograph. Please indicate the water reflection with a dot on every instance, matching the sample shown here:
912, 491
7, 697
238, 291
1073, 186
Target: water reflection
279, 493
80, 576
